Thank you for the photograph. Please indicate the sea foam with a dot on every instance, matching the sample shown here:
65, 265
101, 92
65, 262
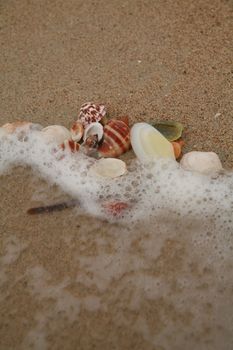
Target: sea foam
162, 186
168, 264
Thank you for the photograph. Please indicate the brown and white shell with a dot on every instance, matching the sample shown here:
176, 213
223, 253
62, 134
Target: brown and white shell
116, 139
70, 145
77, 131
94, 129
91, 112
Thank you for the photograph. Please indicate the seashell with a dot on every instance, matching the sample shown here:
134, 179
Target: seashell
109, 167
55, 134
177, 147
70, 145
91, 113
12, 127
91, 142
116, 139
22, 126
115, 208
77, 131
148, 143
124, 119
170, 129
94, 129
202, 162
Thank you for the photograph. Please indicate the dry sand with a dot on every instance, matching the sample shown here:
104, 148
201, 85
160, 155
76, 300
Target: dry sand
149, 59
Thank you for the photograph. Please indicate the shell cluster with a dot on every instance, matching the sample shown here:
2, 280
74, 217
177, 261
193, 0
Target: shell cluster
88, 128
104, 138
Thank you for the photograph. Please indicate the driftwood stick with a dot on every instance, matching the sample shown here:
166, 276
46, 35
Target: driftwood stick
53, 207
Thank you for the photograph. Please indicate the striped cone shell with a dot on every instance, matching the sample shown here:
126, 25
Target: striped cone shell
116, 139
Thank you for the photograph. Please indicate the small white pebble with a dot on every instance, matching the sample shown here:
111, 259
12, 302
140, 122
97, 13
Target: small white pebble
217, 115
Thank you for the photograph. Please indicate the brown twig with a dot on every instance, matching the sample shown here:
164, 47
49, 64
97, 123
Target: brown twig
53, 207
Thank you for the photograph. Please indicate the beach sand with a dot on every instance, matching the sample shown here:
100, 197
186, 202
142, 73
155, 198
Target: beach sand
150, 60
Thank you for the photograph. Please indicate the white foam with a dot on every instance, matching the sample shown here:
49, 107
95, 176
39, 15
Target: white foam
147, 189
171, 255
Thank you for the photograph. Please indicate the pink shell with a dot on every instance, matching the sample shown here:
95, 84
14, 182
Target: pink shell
91, 113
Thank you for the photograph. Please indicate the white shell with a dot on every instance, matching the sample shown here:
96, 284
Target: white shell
148, 143
20, 128
202, 162
109, 167
93, 129
55, 134
24, 126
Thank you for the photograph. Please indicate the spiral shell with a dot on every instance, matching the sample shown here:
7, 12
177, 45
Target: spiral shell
94, 129
116, 139
91, 113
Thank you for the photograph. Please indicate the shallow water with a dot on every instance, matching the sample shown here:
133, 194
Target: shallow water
156, 277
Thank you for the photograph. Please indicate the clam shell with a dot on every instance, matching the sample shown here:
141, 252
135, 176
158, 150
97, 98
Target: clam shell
24, 126
94, 129
202, 162
116, 139
20, 128
170, 129
148, 143
77, 131
55, 134
91, 113
12, 127
109, 167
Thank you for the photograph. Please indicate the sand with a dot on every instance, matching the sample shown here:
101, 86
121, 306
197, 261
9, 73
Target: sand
147, 59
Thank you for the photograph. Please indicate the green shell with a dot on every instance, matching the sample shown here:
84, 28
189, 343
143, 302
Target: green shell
170, 129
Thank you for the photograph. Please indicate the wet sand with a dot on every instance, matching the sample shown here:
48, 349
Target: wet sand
150, 60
